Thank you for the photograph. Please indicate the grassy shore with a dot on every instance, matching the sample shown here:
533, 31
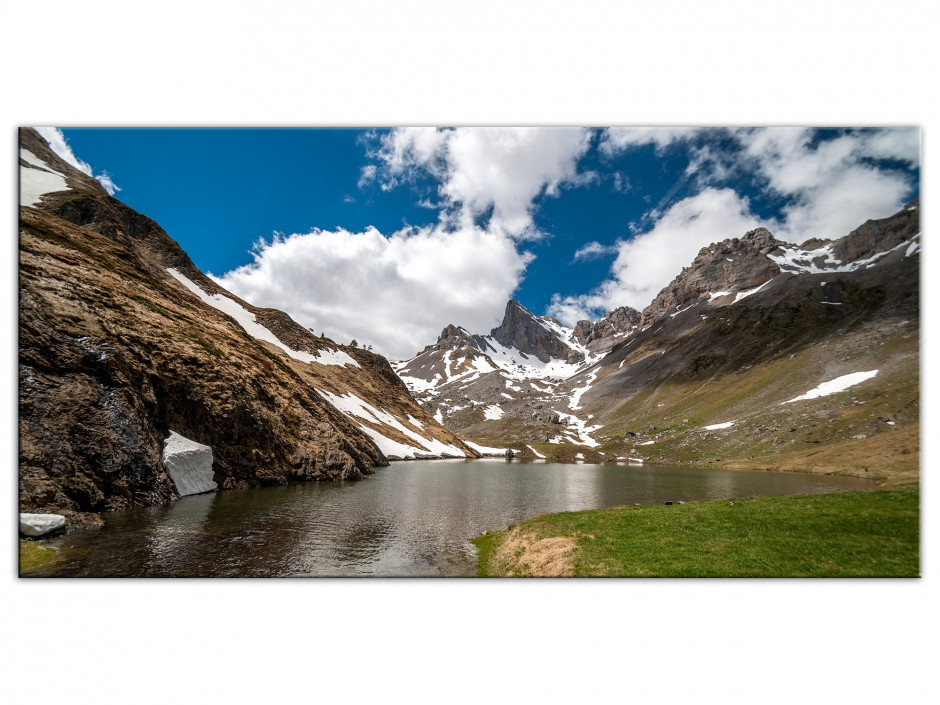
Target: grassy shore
33, 555
852, 534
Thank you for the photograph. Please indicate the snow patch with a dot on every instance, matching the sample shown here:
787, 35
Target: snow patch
487, 451
355, 408
37, 525
189, 465
716, 426
38, 179
835, 385
537, 454
246, 319
745, 294
493, 412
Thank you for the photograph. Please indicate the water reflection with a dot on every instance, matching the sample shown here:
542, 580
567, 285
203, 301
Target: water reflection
408, 519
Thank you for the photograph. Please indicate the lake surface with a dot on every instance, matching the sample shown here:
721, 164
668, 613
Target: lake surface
409, 519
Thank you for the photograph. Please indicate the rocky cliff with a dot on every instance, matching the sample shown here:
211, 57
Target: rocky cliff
525, 332
123, 341
602, 335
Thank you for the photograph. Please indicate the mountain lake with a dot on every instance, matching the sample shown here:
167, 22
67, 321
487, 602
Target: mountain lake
411, 519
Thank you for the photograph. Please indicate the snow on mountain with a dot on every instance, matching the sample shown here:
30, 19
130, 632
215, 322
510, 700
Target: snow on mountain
517, 372
532, 379
37, 179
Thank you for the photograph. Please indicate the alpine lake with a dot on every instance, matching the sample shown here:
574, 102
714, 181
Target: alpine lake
411, 519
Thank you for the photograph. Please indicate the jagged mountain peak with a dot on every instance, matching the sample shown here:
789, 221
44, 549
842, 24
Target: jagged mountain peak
601, 335
738, 265
530, 334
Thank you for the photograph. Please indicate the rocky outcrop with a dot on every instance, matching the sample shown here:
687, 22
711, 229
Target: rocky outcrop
602, 335
730, 265
115, 352
454, 337
522, 329
876, 236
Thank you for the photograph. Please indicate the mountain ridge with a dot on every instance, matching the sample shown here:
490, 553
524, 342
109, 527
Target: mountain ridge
123, 341
735, 291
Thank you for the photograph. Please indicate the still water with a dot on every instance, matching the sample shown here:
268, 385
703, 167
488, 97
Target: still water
409, 519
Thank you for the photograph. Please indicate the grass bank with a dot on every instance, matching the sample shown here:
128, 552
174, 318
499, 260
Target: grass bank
851, 534
33, 555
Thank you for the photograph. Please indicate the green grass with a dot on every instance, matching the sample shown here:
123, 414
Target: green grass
33, 555
852, 534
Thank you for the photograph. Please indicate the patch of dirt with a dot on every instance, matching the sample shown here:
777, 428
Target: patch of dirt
524, 553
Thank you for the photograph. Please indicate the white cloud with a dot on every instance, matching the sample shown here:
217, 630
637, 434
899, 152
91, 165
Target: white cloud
592, 250
395, 292
621, 182
648, 262
104, 178
832, 186
501, 170
619, 139
59, 145
366, 175
398, 291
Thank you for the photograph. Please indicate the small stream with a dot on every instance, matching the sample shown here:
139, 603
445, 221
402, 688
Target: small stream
409, 519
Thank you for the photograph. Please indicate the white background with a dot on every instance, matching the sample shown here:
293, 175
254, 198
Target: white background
723, 62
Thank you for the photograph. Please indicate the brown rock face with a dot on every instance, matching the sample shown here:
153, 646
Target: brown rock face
876, 236
115, 353
730, 265
522, 330
601, 336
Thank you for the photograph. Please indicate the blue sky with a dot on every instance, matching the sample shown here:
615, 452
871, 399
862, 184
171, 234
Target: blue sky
388, 235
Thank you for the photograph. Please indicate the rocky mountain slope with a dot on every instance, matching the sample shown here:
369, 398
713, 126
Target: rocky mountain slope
123, 341
516, 373
721, 364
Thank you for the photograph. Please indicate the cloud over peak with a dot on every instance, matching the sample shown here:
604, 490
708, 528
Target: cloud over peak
497, 172
394, 291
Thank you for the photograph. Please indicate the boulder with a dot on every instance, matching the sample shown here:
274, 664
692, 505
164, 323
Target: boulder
189, 465
37, 525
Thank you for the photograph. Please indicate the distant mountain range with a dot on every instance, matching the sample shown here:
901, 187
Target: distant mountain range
751, 323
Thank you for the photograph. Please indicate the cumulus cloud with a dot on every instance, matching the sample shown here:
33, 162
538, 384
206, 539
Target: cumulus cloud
496, 172
619, 139
647, 262
59, 145
829, 185
395, 292
833, 185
